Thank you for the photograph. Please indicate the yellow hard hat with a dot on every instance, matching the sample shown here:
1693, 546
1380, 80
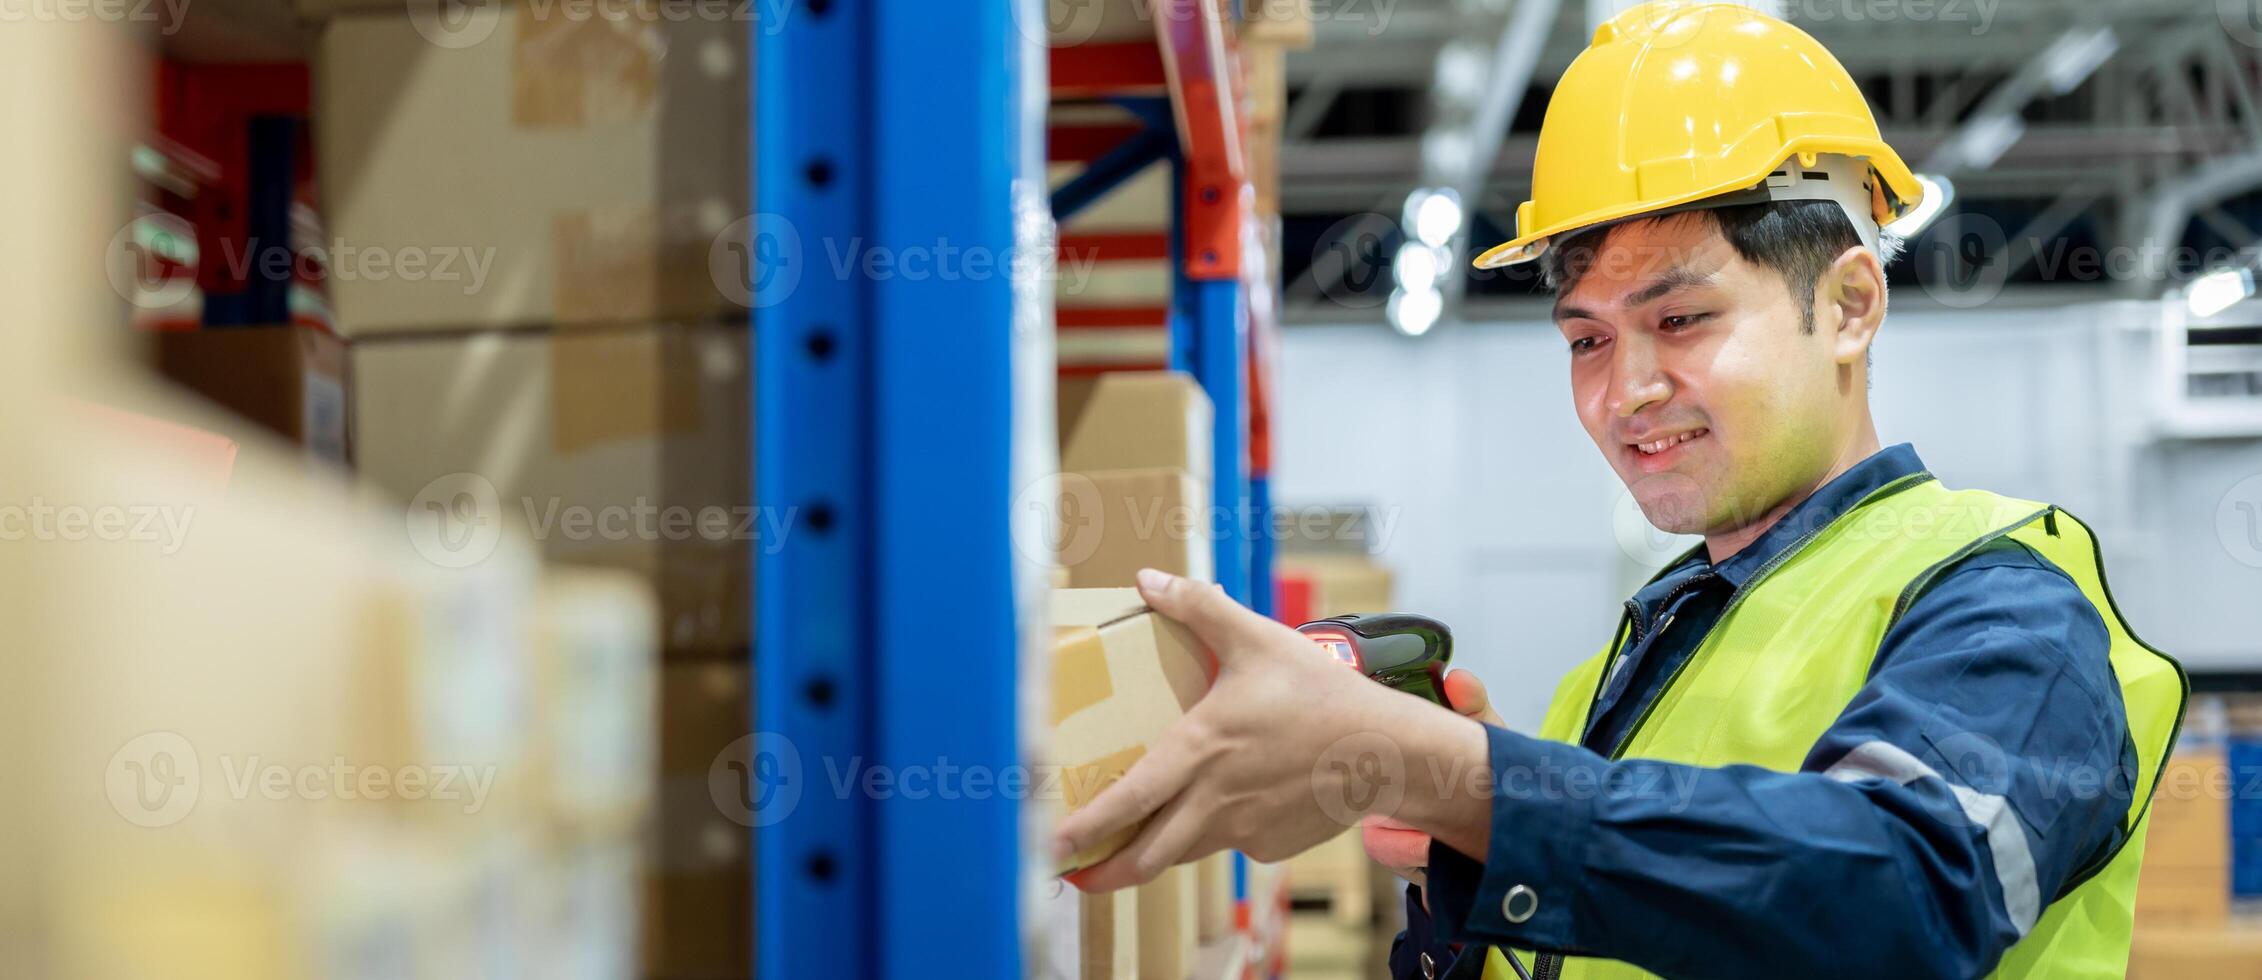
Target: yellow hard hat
1678, 101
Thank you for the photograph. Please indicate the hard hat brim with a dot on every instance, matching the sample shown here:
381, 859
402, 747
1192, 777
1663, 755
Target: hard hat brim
1897, 194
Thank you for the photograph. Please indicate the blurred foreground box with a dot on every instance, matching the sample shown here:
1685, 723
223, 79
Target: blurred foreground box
321, 752
626, 449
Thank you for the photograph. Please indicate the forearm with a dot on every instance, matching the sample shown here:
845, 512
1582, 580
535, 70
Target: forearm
1448, 787
1693, 871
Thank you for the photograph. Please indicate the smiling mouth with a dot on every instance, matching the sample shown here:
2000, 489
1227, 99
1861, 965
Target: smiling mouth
1661, 445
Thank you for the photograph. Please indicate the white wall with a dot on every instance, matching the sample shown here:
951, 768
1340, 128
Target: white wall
1505, 511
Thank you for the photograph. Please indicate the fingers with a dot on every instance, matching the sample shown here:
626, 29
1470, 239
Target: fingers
1397, 846
1145, 788
1166, 841
1225, 626
1468, 697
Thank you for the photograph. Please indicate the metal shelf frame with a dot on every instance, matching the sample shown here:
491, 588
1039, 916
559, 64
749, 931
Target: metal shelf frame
887, 630
885, 411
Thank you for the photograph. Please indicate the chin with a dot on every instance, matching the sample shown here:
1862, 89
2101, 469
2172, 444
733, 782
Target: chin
1674, 510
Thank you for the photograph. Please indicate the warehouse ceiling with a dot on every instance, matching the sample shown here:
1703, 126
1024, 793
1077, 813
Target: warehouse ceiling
2100, 124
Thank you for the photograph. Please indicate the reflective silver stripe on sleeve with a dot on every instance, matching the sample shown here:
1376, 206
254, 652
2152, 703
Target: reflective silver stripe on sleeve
2006, 838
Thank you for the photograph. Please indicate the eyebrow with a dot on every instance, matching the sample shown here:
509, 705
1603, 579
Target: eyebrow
1671, 280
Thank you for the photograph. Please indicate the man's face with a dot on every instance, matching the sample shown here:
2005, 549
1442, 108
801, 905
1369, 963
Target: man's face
1692, 371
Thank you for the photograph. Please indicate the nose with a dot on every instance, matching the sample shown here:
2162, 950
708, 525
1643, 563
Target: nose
1636, 379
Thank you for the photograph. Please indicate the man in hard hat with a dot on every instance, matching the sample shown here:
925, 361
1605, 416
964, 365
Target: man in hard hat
1872, 726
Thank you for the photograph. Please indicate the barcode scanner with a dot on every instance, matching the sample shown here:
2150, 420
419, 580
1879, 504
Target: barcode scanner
1402, 650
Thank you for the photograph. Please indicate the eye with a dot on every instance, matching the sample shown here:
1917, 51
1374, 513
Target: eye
1585, 344
1684, 321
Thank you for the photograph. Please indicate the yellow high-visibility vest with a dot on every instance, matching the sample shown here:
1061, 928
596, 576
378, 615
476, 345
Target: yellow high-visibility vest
1797, 642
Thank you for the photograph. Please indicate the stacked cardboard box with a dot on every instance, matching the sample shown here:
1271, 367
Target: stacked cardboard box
1135, 450
542, 266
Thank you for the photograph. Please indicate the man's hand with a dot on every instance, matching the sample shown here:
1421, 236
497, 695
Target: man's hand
1400, 846
1244, 768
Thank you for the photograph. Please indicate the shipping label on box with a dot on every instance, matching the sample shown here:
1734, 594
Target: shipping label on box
1121, 675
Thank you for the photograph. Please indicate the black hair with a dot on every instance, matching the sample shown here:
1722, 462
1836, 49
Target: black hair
1796, 239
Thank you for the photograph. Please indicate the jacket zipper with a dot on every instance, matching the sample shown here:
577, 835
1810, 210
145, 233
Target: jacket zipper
1549, 966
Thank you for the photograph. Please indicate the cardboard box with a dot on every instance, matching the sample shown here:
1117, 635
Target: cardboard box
1108, 935
596, 682
1138, 420
626, 449
2233, 953
528, 166
1213, 896
1121, 675
1341, 584
289, 380
1115, 522
699, 901
1167, 925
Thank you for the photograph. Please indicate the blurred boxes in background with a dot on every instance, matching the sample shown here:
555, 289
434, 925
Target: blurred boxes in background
1108, 935
1134, 487
1213, 896
2185, 881
1120, 676
534, 169
622, 448
699, 897
1136, 420
1115, 522
1336, 585
289, 380
1168, 928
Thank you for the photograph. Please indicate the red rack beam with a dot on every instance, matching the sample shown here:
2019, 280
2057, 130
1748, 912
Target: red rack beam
1125, 246
1092, 70
1084, 144
1111, 317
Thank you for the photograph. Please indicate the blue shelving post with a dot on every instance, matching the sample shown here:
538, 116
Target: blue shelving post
887, 634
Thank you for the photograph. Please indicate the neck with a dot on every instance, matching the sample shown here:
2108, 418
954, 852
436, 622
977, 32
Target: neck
1722, 544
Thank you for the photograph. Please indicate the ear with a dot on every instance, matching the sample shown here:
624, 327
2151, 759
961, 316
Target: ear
1849, 304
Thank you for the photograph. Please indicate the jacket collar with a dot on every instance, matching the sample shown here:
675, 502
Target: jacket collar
1843, 493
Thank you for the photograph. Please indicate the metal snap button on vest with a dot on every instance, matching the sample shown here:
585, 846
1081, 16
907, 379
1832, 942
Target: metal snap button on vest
1429, 968
1520, 903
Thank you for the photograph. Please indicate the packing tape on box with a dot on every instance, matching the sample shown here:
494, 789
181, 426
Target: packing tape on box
630, 262
570, 72
613, 385
1079, 671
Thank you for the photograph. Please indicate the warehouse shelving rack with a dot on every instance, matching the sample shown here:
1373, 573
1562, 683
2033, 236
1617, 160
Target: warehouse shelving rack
886, 614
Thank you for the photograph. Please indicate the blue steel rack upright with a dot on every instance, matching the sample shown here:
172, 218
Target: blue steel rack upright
887, 631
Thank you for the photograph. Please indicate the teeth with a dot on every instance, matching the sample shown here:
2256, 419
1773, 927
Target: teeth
1661, 445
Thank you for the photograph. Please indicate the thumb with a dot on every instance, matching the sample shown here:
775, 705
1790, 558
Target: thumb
1225, 626
1467, 695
